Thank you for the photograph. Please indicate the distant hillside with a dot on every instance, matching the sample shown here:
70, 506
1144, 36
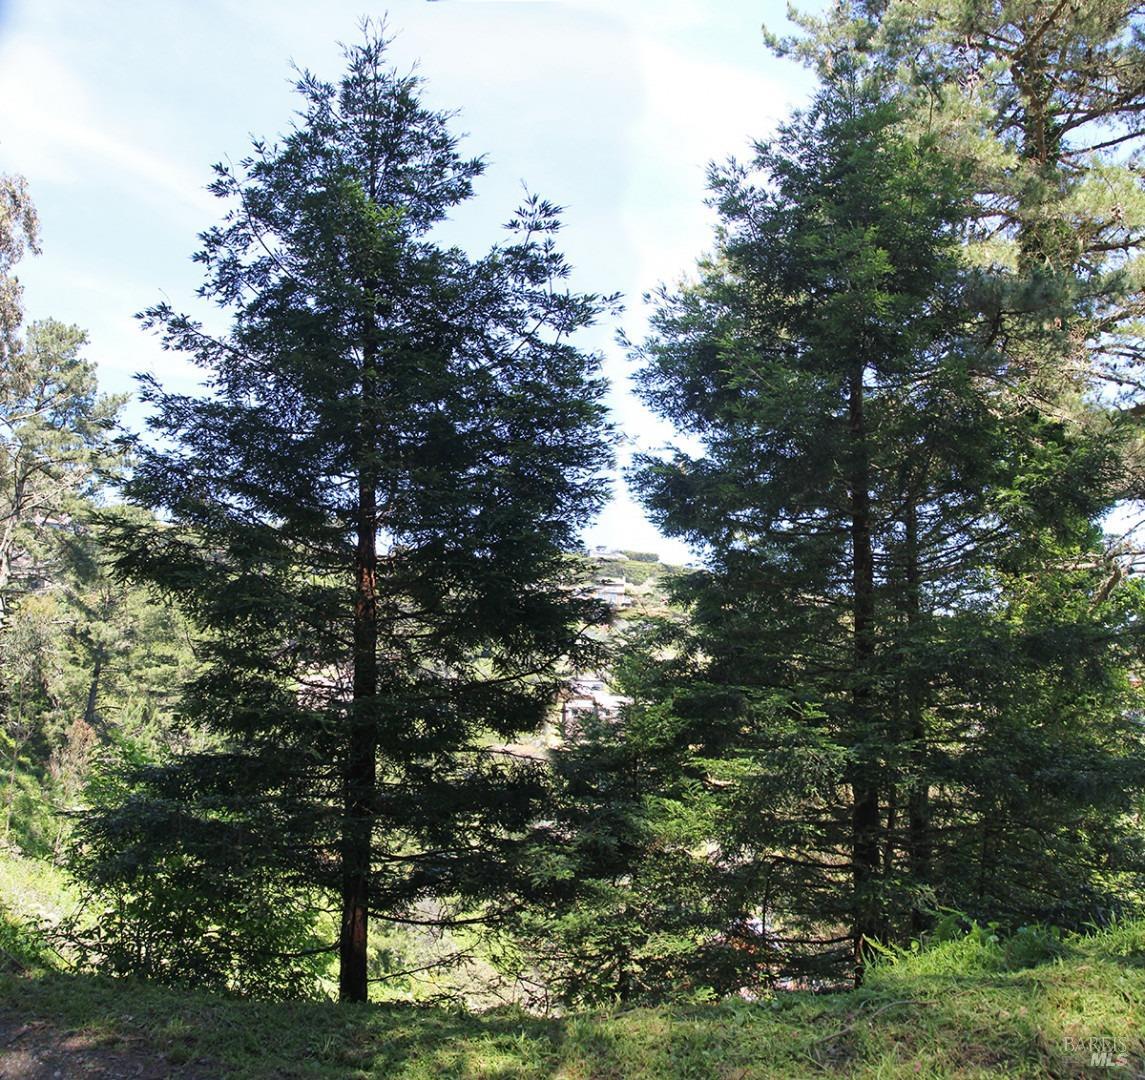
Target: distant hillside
636, 567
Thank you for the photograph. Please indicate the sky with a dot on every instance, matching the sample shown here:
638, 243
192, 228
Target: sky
612, 109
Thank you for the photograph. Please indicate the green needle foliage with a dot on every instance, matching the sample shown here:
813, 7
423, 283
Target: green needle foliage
367, 518
86, 662
624, 905
55, 448
19, 231
1043, 102
901, 646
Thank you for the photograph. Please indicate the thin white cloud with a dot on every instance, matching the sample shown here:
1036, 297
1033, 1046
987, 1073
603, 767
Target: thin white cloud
611, 108
695, 111
58, 135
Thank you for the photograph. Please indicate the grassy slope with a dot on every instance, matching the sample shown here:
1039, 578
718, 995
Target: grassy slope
913, 1019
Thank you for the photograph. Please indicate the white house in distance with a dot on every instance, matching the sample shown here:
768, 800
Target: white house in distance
613, 591
588, 695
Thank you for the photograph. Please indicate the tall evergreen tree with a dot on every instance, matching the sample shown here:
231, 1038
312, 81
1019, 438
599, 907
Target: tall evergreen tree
1043, 102
55, 428
368, 515
19, 231
865, 487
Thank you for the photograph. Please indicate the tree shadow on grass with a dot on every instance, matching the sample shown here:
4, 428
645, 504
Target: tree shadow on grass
190, 1031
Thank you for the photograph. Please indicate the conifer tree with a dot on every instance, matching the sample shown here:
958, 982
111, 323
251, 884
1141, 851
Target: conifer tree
368, 516
19, 232
55, 427
55, 441
1042, 101
623, 903
865, 494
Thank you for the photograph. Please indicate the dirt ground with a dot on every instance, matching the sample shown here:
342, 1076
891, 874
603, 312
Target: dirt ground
35, 1050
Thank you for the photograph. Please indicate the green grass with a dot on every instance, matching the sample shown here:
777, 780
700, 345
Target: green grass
27, 821
34, 888
634, 571
922, 1016
32, 893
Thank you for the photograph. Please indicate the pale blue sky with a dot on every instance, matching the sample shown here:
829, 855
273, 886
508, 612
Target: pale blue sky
115, 111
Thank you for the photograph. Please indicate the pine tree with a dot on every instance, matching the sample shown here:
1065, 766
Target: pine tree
56, 449
19, 232
55, 428
1042, 101
55, 442
368, 516
864, 492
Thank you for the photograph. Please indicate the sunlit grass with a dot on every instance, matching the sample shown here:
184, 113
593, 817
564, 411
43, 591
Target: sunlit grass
943, 1013
34, 888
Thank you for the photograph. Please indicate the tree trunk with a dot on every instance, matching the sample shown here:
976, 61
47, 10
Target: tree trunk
7, 543
918, 808
864, 784
360, 771
89, 712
